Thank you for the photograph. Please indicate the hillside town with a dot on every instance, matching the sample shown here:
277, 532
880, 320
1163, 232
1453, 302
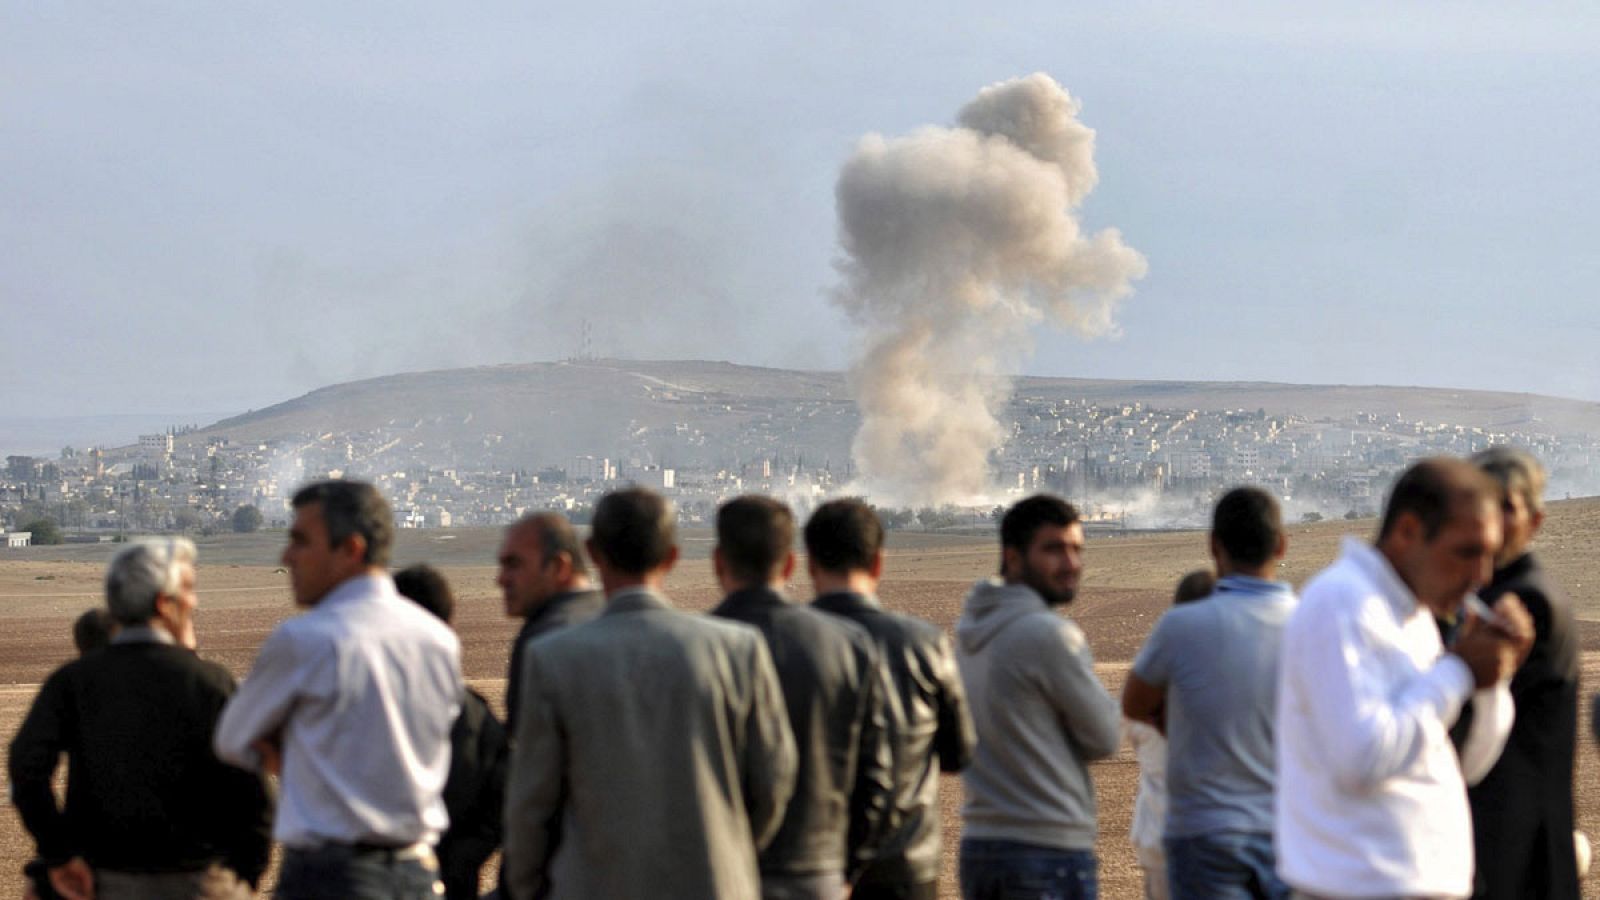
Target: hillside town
1128, 466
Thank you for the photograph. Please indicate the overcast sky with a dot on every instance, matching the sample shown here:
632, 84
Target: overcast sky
212, 207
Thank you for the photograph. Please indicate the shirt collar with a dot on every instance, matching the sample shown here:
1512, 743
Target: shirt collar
1249, 584
142, 634
357, 587
1377, 568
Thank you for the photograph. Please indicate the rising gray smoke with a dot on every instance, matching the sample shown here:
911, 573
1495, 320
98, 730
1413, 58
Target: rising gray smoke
956, 242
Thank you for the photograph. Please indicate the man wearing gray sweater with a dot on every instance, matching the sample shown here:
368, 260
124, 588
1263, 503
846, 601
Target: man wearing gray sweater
1040, 713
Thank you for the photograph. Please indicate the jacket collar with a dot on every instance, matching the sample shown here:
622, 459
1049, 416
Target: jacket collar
635, 599
846, 602
750, 600
1517, 568
557, 602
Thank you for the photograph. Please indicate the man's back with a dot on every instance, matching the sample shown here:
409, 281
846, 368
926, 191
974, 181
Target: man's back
652, 757
1218, 659
1041, 714
365, 687
836, 693
933, 732
144, 790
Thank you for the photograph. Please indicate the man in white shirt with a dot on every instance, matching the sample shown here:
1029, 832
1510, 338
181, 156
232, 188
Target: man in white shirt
1371, 793
352, 702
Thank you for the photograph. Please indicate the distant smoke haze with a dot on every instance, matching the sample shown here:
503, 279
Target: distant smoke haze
956, 241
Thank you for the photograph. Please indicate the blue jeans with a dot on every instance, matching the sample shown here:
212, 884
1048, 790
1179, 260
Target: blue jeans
1224, 865
337, 872
1008, 870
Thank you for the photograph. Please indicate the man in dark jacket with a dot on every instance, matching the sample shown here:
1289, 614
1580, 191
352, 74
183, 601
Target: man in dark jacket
1522, 810
932, 730
837, 693
544, 582
150, 809
474, 791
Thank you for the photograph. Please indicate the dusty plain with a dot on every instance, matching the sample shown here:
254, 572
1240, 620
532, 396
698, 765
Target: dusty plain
244, 594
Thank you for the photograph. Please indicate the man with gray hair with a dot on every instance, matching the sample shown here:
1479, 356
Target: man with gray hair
1522, 810
150, 810
352, 701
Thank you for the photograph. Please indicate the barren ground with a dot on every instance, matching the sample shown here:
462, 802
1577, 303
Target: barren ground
1129, 581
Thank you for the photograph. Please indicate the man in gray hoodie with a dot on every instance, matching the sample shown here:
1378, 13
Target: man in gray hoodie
1040, 713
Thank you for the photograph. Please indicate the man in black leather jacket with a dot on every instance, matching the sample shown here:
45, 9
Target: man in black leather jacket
837, 693
932, 730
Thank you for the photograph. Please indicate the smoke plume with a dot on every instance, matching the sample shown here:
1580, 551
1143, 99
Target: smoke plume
956, 241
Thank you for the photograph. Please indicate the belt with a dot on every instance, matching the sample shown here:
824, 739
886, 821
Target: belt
421, 850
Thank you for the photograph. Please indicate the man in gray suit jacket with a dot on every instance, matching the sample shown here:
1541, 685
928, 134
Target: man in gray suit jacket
652, 755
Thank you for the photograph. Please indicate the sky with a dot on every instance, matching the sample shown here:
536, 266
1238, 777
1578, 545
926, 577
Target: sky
207, 208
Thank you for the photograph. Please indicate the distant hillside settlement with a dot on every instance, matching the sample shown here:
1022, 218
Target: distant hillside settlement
1132, 465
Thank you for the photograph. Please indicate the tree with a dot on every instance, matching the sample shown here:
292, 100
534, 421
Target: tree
246, 519
45, 531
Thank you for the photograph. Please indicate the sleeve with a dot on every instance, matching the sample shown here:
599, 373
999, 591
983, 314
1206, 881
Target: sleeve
770, 756
35, 752
1088, 714
263, 702
956, 739
477, 803
1493, 714
534, 793
872, 795
1368, 728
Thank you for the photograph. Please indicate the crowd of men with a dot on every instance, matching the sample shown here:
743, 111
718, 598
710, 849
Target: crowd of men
1386, 734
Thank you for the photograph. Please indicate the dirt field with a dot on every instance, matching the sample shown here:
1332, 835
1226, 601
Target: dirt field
1128, 583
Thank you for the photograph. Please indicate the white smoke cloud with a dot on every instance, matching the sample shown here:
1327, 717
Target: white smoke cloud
956, 241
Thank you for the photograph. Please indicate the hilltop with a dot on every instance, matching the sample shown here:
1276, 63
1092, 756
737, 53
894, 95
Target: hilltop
553, 410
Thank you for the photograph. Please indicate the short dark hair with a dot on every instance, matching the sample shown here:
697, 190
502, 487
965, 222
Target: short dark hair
634, 529
1022, 521
1196, 585
428, 588
754, 535
352, 508
1248, 524
556, 536
1433, 490
93, 630
843, 535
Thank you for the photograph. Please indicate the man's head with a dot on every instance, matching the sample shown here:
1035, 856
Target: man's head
427, 587
1041, 546
539, 558
844, 546
341, 529
1522, 482
93, 630
1247, 533
1441, 530
1196, 585
633, 537
152, 583
755, 543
